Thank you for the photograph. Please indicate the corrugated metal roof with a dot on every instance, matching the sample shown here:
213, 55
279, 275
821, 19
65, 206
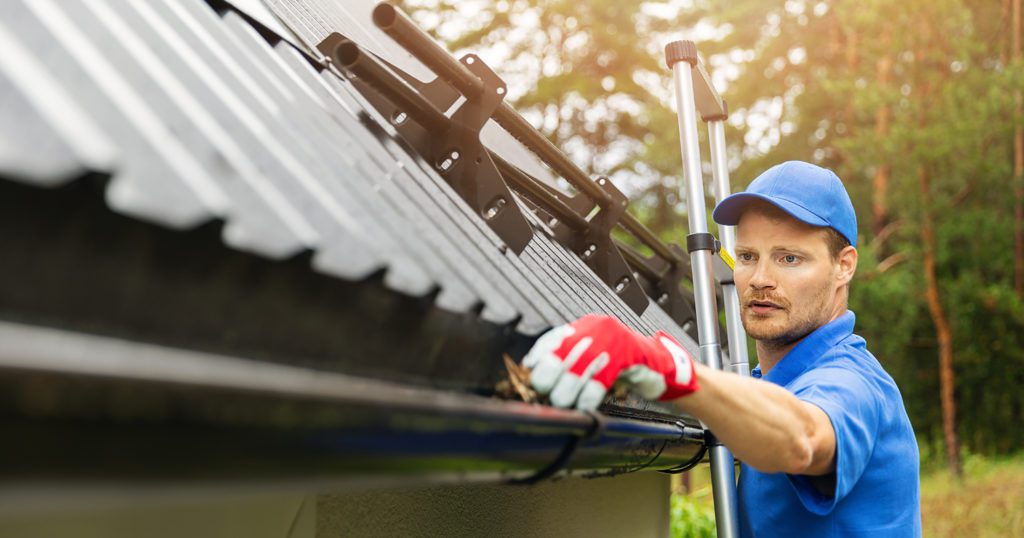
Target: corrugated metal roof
196, 116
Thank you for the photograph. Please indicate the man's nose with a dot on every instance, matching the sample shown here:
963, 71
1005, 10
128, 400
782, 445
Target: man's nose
762, 277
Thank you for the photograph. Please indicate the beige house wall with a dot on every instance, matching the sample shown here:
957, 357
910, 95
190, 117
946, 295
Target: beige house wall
634, 505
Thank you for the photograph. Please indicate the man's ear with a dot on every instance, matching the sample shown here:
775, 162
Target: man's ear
847, 265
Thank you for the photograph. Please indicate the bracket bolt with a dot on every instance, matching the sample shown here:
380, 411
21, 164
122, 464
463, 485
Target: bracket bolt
494, 208
448, 161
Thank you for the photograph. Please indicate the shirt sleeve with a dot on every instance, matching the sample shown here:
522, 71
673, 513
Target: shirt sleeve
852, 403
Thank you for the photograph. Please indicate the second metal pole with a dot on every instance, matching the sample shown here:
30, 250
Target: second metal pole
681, 56
727, 234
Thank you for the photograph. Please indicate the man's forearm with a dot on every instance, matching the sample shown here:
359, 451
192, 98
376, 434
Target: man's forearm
764, 425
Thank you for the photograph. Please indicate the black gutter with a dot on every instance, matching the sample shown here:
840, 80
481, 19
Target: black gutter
87, 408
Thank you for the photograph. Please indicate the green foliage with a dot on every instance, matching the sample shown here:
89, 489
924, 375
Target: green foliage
947, 92
691, 518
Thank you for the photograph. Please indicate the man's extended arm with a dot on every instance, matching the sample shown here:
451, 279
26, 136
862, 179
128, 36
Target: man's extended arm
764, 425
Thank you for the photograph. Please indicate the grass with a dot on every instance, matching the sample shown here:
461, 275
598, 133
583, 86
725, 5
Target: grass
988, 502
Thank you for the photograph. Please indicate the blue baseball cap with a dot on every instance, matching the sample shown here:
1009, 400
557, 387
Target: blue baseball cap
809, 193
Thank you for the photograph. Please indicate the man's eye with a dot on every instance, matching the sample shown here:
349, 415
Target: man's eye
746, 257
789, 258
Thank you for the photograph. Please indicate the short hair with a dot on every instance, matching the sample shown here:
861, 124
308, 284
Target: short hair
836, 242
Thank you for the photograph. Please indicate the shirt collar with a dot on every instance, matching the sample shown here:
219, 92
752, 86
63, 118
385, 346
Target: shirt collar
811, 349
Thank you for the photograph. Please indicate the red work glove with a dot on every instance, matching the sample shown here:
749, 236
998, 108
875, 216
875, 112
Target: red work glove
577, 363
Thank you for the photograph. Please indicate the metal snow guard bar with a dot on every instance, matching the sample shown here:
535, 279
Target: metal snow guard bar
399, 27
87, 409
664, 271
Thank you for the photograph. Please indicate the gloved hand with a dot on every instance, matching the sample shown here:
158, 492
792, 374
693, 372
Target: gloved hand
577, 363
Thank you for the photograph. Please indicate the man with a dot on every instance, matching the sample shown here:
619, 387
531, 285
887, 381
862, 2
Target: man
826, 445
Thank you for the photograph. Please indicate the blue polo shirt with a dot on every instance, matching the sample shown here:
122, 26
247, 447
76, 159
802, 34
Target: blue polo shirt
876, 490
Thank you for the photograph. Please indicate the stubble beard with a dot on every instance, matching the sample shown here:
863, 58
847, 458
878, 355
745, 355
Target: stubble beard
773, 332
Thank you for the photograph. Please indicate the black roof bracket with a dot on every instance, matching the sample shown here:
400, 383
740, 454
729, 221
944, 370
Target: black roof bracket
451, 145
662, 279
598, 250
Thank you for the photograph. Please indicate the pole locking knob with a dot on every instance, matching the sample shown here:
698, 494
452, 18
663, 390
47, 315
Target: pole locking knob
681, 51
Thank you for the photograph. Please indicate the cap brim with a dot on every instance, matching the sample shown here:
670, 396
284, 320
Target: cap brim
729, 211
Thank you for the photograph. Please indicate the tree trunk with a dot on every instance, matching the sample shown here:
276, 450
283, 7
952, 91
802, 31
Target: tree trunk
942, 330
664, 214
852, 60
1018, 165
880, 182
833, 33
933, 297
1004, 47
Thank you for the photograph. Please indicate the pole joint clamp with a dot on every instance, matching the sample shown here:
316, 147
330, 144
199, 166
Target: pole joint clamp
702, 241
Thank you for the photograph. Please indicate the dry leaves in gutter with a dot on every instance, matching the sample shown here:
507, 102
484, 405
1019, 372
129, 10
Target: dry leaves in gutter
517, 385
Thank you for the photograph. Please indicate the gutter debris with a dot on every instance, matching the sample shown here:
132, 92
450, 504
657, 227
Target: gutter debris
517, 385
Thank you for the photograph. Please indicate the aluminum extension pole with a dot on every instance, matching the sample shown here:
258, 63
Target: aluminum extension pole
681, 57
727, 234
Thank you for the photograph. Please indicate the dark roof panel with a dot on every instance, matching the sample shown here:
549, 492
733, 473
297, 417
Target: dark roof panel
197, 117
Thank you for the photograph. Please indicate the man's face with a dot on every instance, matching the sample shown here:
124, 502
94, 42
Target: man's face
786, 278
